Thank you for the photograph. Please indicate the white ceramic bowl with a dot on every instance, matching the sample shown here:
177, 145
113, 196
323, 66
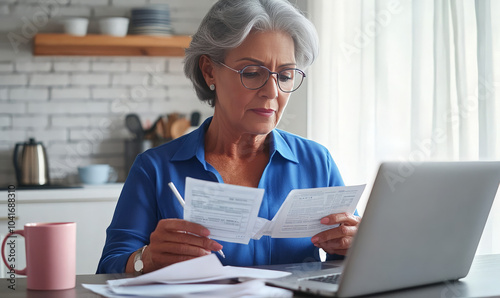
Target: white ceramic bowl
75, 26
113, 26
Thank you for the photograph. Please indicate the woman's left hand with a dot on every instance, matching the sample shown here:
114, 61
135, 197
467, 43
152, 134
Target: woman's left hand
337, 240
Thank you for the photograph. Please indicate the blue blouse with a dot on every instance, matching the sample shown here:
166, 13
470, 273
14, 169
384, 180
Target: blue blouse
294, 163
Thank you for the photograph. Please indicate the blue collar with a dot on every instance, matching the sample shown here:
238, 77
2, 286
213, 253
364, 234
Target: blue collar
194, 145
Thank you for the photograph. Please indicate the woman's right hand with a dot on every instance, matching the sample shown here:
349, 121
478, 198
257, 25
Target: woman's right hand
177, 240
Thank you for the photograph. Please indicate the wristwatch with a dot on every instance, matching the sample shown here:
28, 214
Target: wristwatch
138, 263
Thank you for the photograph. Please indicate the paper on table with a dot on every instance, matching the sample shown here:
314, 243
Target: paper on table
182, 271
228, 211
252, 288
162, 290
189, 272
103, 290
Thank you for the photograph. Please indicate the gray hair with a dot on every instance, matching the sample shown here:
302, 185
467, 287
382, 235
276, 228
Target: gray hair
229, 22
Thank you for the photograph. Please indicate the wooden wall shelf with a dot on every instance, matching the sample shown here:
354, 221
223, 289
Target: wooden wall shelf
104, 45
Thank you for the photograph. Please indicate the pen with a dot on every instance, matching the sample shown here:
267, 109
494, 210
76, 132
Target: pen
181, 201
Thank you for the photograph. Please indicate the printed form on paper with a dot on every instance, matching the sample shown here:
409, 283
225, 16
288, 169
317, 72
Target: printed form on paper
230, 212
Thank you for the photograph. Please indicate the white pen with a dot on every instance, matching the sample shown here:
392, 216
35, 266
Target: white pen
181, 200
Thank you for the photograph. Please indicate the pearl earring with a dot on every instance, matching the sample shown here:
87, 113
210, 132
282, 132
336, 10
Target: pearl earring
212, 87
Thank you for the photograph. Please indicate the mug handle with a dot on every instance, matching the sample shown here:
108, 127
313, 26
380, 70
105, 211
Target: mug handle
19, 232
113, 175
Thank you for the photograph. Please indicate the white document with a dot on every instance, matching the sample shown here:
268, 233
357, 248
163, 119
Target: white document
202, 269
300, 214
184, 278
252, 288
228, 211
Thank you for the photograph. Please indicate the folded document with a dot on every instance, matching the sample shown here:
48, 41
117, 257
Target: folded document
191, 277
202, 269
230, 211
252, 288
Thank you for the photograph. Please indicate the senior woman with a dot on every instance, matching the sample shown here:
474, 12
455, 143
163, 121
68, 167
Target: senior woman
245, 60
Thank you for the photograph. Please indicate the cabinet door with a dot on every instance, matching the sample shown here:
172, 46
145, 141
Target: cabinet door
91, 217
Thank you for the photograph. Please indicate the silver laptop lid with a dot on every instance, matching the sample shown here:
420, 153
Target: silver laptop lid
422, 225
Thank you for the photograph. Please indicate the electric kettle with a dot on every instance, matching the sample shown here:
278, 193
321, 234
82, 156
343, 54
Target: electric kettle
31, 165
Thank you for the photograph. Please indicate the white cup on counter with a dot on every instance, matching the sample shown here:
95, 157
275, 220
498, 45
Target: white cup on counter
75, 26
115, 26
97, 174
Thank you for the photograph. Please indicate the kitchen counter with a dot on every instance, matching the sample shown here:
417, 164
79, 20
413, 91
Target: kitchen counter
87, 193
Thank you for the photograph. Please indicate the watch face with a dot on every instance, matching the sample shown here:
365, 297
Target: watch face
138, 265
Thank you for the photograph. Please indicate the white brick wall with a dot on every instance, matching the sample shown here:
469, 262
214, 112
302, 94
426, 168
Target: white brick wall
6, 67
109, 66
5, 121
72, 11
13, 79
49, 79
54, 2
66, 66
138, 106
12, 136
130, 79
48, 135
30, 122
30, 66
12, 108
70, 122
97, 134
22, 10
176, 65
70, 93
110, 93
72, 108
64, 148
90, 79
29, 93
129, 2
76, 106
4, 93
111, 11
147, 66
89, 2
181, 93
153, 92
172, 79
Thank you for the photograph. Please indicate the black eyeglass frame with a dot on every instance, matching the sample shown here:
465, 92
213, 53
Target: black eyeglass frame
269, 75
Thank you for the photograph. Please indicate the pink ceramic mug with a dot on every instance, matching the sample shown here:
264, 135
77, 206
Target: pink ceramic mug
50, 255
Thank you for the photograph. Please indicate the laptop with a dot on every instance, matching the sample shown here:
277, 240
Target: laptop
422, 225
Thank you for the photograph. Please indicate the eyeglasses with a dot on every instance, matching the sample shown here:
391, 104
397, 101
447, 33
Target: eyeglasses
254, 77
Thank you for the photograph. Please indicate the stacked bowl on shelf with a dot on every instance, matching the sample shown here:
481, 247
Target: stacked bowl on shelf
151, 20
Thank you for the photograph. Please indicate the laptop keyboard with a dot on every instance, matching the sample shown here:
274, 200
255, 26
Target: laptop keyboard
331, 279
